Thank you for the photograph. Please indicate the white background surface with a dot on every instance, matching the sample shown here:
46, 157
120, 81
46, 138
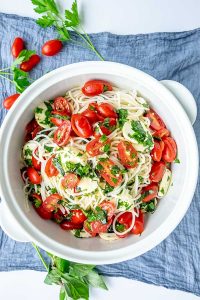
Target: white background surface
121, 17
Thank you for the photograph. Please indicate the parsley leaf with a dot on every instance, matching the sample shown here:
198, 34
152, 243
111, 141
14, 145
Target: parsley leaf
123, 116
140, 135
72, 17
177, 161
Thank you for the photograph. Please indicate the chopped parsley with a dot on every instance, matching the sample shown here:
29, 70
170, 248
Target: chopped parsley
58, 166
123, 115
162, 191
38, 110
177, 161
97, 215
108, 188
115, 170
80, 170
120, 227
28, 162
28, 152
77, 233
123, 204
48, 149
103, 138
114, 180
140, 135
99, 167
148, 207
53, 190
106, 122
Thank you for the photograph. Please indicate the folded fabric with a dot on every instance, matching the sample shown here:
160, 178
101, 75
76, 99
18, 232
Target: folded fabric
175, 263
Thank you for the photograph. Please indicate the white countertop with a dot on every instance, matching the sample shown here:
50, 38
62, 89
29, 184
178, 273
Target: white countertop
121, 17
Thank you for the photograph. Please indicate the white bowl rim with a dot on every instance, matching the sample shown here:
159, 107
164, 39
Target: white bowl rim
116, 255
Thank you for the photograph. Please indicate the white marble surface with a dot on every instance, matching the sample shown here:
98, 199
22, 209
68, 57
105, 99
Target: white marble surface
121, 17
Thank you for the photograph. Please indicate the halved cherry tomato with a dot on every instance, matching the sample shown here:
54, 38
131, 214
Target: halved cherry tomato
50, 169
127, 154
58, 117
87, 227
81, 126
51, 47
107, 172
9, 101
170, 149
96, 146
42, 212
67, 225
56, 121
95, 227
70, 180
91, 115
157, 171
61, 104
35, 131
58, 216
109, 207
157, 150
28, 65
34, 176
161, 133
96, 87
150, 192
107, 126
17, 46
77, 216
30, 128
107, 110
138, 227
35, 162
125, 218
156, 121
62, 134
51, 202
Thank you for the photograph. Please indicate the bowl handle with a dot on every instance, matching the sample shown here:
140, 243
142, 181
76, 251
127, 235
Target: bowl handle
10, 226
184, 96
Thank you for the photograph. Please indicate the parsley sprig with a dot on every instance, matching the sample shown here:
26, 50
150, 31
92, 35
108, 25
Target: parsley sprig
74, 279
18, 77
71, 22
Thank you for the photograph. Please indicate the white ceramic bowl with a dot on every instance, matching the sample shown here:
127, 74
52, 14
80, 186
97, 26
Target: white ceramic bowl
171, 209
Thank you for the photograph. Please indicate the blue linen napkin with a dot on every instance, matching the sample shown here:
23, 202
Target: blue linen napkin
175, 263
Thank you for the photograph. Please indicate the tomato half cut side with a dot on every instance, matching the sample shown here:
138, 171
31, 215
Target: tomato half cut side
77, 216
170, 149
51, 202
62, 134
109, 173
70, 180
157, 171
91, 115
149, 192
81, 126
96, 87
156, 122
50, 169
39, 208
61, 104
138, 227
157, 150
35, 162
97, 146
109, 207
34, 176
127, 154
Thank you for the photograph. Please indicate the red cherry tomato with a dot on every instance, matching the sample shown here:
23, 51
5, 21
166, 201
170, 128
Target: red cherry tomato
81, 126
70, 180
91, 115
96, 87
161, 133
62, 134
56, 121
9, 101
96, 146
32, 128
87, 227
35, 162
40, 210
109, 207
51, 202
96, 227
150, 192
51, 47
61, 104
67, 225
58, 216
107, 126
106, 110
35, 131
138, 227
28, 65
156, 121
107, 173
125, 218
34, 176
77, 216
157, 150
170, 149
127, 154
157, 171
17, 46
31, 125
50, 169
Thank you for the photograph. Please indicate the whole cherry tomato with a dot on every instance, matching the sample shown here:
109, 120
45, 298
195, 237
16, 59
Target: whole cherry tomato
62, 134
127, 154
107, 110
51, 202
61, 104
77, 216
138, 227
28, 65
9, 101
51, 47
35, 162
96, 146
38, 206
157, 171
81, 126
156, 121
31, 130
109, 207
34, 176
157, 150
170, 149
150, 192
50, 169
108, 171
17, 46
67, 225
96, 87
70, 180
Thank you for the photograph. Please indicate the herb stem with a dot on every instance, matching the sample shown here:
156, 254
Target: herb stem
40, 256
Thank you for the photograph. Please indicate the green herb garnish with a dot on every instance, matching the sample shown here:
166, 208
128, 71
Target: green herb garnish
177, 161
123, 115
140, 135
148, 207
